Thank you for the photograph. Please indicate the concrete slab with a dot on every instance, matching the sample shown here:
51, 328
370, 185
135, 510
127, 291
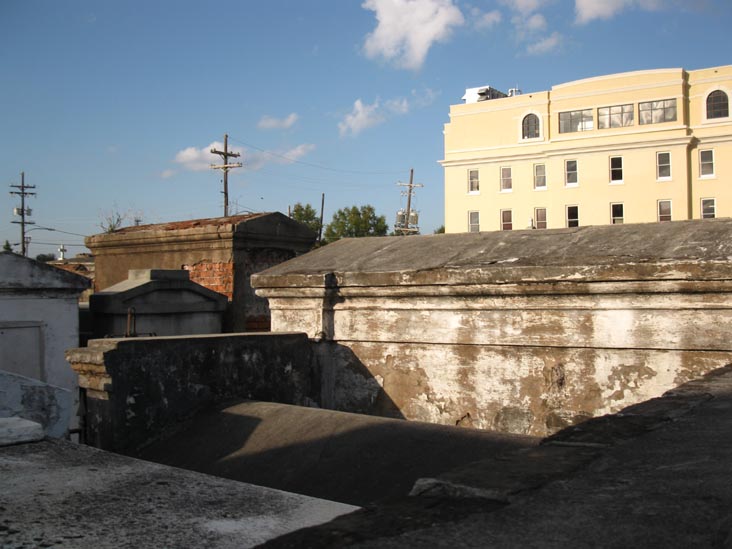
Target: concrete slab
16, 430
56, 493
665, 482
344, 457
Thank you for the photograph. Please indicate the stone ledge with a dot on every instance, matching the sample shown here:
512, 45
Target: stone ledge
16, 430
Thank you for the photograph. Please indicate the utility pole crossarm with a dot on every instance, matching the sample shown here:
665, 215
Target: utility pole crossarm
225, 167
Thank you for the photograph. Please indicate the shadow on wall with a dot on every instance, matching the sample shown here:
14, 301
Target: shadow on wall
333, 455
135, 390
346, 383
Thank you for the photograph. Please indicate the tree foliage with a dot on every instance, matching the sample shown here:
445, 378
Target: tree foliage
440, 230
45, 258
355, 222
7, 247
307, 215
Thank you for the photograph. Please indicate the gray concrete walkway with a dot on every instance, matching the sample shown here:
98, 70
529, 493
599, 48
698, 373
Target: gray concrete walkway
59, 494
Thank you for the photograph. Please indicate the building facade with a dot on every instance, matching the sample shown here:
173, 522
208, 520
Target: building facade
637, 147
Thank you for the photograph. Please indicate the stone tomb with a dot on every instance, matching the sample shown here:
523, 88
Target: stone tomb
517, 331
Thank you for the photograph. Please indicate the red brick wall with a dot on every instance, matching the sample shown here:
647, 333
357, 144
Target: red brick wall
218, 277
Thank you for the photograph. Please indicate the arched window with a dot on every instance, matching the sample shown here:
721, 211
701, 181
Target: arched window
717, 105
530, 127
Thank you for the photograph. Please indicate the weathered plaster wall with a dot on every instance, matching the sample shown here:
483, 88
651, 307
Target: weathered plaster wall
36, 401
137, 388
523, 333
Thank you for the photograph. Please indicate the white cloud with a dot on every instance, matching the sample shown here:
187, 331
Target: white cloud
546, 45
524, 7
486, 20
535, 22
256, 160
588, 10
272, 123
196, 160
165, 174
362, 116
406, 29
398, 106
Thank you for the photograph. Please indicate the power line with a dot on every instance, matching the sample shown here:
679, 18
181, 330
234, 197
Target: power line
310, 164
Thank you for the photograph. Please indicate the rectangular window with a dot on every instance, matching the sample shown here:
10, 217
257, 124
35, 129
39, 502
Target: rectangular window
656, 112
616, 214
506, 220
708, 208
506, 181
474, 222
664, 210
616, 169
570, 172
575, 121
663, 165
706, 163
473, 181
539, 176
540, 218
572, 216
618, 116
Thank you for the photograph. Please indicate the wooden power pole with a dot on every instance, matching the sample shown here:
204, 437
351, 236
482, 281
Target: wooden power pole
225, 167
23, 211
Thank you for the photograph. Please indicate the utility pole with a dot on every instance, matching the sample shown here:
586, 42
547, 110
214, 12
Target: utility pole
225, 154
320, 227
409, 192
23, 211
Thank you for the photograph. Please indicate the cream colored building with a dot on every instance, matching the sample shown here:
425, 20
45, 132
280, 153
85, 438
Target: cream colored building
635, 147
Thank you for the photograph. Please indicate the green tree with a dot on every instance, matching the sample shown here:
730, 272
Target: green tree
440, 230
7, 247
355, 222
306, 214
45, 258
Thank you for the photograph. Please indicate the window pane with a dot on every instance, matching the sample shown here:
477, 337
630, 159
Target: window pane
656, 112
539, 175
540, 218
664, 210
474, 222
616, 168
708, 208
474, 181
530, 126
717, 105
571, 172
706, 162
506, 182
663, 164
616, 212
572, 216
506, 220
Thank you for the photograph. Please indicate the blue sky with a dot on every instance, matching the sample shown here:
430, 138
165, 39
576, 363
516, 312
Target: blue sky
112, 106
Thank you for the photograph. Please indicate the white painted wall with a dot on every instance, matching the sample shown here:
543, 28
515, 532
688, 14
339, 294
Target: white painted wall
35, 332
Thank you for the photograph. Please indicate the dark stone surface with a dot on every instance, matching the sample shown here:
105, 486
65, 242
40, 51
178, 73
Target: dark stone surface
322, 453
613, 252
670, 486
158, 382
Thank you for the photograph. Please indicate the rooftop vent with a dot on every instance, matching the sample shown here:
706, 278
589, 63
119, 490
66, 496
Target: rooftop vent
484, 93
